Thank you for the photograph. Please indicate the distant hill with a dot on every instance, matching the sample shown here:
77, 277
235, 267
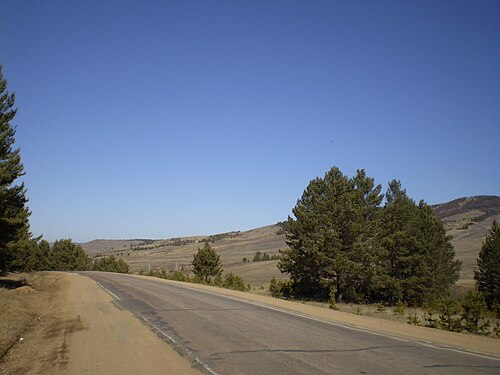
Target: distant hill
466, 219
488, 205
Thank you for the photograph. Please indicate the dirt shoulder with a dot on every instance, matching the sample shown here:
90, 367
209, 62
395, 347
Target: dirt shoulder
472, 343
73, 327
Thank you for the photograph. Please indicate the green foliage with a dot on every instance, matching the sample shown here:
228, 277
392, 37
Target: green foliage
474, 310
235, 282
262, 257
341, 236
418, 259
14, 226
68, 256
331, 240
206, 263
430, 310
332, 296
380, 307
413, 319
281, 288
488, 275
178, 276
401, 308
448, 310
110, 264
37, 255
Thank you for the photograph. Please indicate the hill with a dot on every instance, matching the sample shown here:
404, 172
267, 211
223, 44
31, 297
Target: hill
466, 219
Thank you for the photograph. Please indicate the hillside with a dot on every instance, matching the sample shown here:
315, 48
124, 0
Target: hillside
466, 219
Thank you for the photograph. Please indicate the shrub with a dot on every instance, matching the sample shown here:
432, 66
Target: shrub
401, 308
281, 288
474, 310
179, 276
332, 295
233, 281
413, 319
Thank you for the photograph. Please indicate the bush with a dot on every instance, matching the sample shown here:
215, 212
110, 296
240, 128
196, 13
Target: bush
413, 319
281, 288
474, 310
235, 282
401, 308
179, 276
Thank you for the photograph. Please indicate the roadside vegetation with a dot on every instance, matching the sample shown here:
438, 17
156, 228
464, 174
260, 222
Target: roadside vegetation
110, 264
207, 269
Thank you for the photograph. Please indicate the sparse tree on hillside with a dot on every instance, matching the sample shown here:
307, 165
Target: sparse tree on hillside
206, 263
488, 274
14, 226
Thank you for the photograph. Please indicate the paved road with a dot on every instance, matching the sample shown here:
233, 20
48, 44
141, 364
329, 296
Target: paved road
230, 336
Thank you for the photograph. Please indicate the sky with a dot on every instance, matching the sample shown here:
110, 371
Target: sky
159, 119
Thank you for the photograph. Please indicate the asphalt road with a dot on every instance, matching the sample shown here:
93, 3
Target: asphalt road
230, 336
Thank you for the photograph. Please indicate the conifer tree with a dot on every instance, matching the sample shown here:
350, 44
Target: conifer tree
488, 275
14, 214
417, 254
206, 263
331, 240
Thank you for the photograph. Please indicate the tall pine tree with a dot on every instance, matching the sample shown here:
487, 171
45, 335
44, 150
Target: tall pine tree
488, 275
417, 255
14, 225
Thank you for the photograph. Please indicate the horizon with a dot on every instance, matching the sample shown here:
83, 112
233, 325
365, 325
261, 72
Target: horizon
163, 119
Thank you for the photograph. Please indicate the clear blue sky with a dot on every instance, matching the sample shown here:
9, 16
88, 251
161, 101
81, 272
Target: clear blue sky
153, 119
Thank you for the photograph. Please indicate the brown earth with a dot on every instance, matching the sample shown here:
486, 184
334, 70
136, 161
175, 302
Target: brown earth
68, 325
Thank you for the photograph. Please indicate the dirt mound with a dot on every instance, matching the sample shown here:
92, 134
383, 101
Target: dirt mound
24, 290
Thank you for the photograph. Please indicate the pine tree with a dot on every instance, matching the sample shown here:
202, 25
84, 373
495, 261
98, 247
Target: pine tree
14, 214
68, 256
488, 275
332, 238
417, 255
206, 263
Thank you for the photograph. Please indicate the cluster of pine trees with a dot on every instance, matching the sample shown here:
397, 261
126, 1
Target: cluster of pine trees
344, 242
110, 264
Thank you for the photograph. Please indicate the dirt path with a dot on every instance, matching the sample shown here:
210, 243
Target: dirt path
80, 331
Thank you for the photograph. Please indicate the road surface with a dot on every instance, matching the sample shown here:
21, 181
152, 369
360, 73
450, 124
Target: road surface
226, 335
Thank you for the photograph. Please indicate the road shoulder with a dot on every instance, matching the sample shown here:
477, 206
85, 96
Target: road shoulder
79, 330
